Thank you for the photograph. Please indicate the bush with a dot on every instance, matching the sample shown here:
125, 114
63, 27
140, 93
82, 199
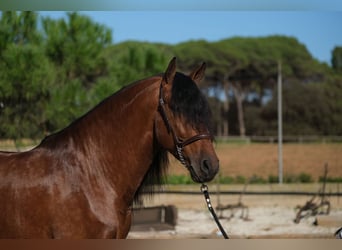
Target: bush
178, 179
290, 179
257, 180
304, 178
226, 180
273, 179
240, 179
331, 179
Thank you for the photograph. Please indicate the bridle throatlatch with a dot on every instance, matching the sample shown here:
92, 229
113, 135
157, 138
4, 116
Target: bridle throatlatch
179, 145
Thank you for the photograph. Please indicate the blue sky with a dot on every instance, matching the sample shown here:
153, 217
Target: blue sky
319, 30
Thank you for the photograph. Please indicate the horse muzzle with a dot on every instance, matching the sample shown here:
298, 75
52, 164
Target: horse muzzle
204, 171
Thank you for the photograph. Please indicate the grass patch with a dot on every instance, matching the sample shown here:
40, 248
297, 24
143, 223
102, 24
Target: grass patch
331, 179
178, 179
255, 179
291, 178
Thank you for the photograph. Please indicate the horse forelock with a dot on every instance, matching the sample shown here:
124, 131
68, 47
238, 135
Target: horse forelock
188, 101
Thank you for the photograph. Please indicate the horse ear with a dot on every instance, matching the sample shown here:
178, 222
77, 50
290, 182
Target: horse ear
170, 71
198, 74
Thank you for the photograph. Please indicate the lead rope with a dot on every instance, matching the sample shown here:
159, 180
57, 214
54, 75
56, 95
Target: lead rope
204, 189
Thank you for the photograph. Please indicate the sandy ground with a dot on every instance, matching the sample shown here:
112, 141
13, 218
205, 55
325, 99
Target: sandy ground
269, 216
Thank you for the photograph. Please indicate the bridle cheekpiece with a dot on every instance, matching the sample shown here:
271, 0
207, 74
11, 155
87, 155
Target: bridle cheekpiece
179, 143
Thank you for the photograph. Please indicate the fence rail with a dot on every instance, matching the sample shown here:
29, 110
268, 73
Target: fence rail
214, 192
286, 139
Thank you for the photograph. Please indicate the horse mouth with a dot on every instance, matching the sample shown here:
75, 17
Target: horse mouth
194, 175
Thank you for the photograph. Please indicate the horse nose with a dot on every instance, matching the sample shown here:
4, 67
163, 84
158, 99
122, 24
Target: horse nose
205, 166
209, 168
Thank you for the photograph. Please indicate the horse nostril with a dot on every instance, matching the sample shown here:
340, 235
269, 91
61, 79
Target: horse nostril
205, 167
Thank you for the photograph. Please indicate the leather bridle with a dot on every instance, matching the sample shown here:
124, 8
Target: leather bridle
179, 143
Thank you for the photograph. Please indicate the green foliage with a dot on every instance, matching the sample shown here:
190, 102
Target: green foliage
240, 179
226, 179
66, 103
336, 60
26, 77
300, 178
331, 179
75, 47
51, 75
18, 28
304, 178
178, 179
273, 179
290, 178
248, 66
130, 61
255, 179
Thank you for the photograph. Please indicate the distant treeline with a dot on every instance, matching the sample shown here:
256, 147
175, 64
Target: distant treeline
54, 70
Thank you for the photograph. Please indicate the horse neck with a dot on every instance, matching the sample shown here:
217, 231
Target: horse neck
117, 136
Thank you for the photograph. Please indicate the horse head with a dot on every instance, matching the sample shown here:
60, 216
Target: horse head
183, 122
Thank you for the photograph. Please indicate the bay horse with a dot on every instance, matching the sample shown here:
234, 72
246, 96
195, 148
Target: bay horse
82, 181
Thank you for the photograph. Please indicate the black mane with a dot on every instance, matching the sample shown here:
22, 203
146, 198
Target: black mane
189, 102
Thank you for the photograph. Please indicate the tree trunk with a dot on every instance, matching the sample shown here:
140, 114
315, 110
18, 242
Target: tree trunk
239, 97
225, 123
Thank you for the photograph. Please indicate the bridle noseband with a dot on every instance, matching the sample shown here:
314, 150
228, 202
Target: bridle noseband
179, 143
